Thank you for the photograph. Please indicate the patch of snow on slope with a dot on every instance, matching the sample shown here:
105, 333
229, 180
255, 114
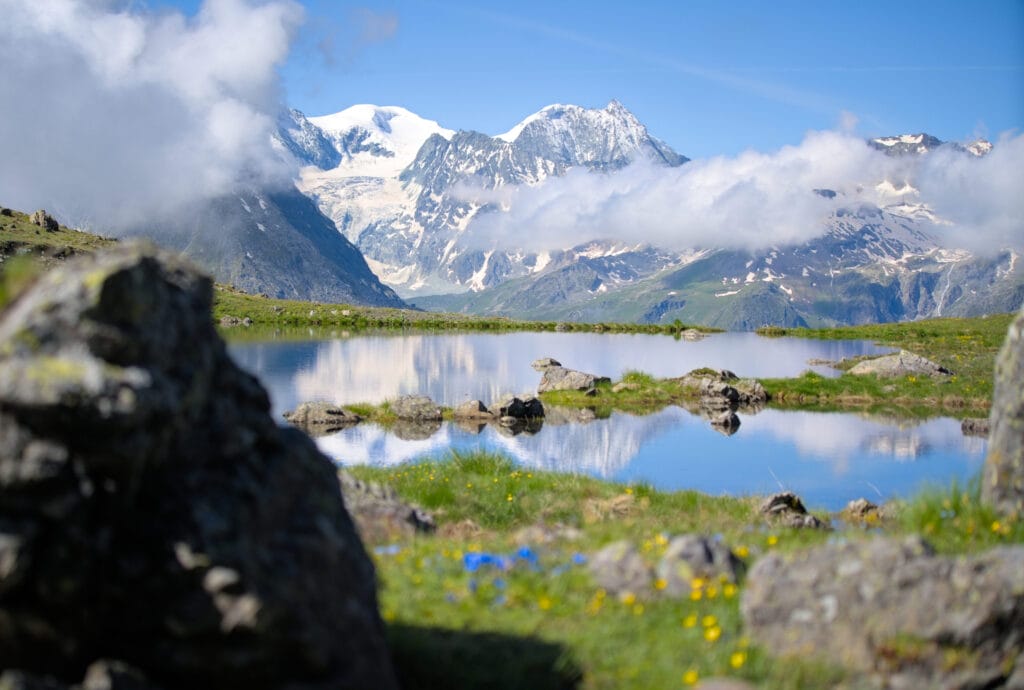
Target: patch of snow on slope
726, 294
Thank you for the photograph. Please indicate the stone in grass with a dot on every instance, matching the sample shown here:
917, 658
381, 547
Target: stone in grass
786, 509
416, 407
862, 510
902, 363
895, 610
692, 556
620, 569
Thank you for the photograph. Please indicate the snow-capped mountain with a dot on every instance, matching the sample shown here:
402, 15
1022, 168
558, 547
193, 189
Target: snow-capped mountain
409, 194
404, 189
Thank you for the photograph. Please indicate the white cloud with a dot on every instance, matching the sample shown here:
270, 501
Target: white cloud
757, 200
113, 116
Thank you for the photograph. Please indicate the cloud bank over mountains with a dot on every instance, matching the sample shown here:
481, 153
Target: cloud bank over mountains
112, 115
759, 200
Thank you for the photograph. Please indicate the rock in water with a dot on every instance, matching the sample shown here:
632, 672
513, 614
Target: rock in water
894, 608
902, 363
151, 512
558, 378
1003, 483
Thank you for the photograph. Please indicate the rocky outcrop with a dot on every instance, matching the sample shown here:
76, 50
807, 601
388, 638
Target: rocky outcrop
557, 378
318, 418
902, 363
44, 220
152, 515
1003, 477
896, 611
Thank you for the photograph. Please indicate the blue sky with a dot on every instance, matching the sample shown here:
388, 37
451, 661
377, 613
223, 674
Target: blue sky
708, 77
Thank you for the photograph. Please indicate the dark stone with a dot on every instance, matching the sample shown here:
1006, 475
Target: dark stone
526, 408
894, 610
153, 512
787, 510
1003, 478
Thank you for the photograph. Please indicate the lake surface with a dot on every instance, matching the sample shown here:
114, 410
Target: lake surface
827, 458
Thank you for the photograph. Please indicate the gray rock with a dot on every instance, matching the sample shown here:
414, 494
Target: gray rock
861, 509
788, 510
750, 393
472, 409
318, 418
619, 569
380, 514
562, 379
691, 556
1003, 475
975, 426
416, 407
902, 363
167, 521
44, 220
545, 363
894, 609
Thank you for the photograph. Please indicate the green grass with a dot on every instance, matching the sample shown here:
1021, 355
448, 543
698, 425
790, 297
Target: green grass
545, 623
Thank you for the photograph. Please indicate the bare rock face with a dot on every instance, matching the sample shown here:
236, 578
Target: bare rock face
152, 515
902, 363
895, 611
1003, 480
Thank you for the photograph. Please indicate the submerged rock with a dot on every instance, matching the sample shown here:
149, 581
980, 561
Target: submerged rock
902, 363
153, 516
894, 609
1003, 475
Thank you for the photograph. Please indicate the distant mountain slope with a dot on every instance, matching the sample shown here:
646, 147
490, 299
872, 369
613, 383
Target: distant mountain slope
277, 243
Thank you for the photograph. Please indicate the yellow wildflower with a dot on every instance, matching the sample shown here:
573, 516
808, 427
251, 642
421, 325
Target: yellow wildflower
712, 634
660, 584
690, 621
708, 621
772, 540
737, 659
627, 598
742, 551
691, 676
544, 603
729, 591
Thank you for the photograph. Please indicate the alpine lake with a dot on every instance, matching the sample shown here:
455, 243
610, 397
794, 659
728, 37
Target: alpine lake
827, 458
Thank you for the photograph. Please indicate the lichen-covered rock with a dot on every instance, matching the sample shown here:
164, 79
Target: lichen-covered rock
416, 407
902, 363
894, 609
1003, 478
316, 418
692, 556
152, 512
620, 569
562, 379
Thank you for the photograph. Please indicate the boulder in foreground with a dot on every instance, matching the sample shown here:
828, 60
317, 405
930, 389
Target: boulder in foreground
153, 517
1003, 475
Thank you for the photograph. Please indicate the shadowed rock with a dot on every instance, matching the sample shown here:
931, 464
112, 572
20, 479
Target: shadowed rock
152, 513
894, 609
379, 512
1003, 480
